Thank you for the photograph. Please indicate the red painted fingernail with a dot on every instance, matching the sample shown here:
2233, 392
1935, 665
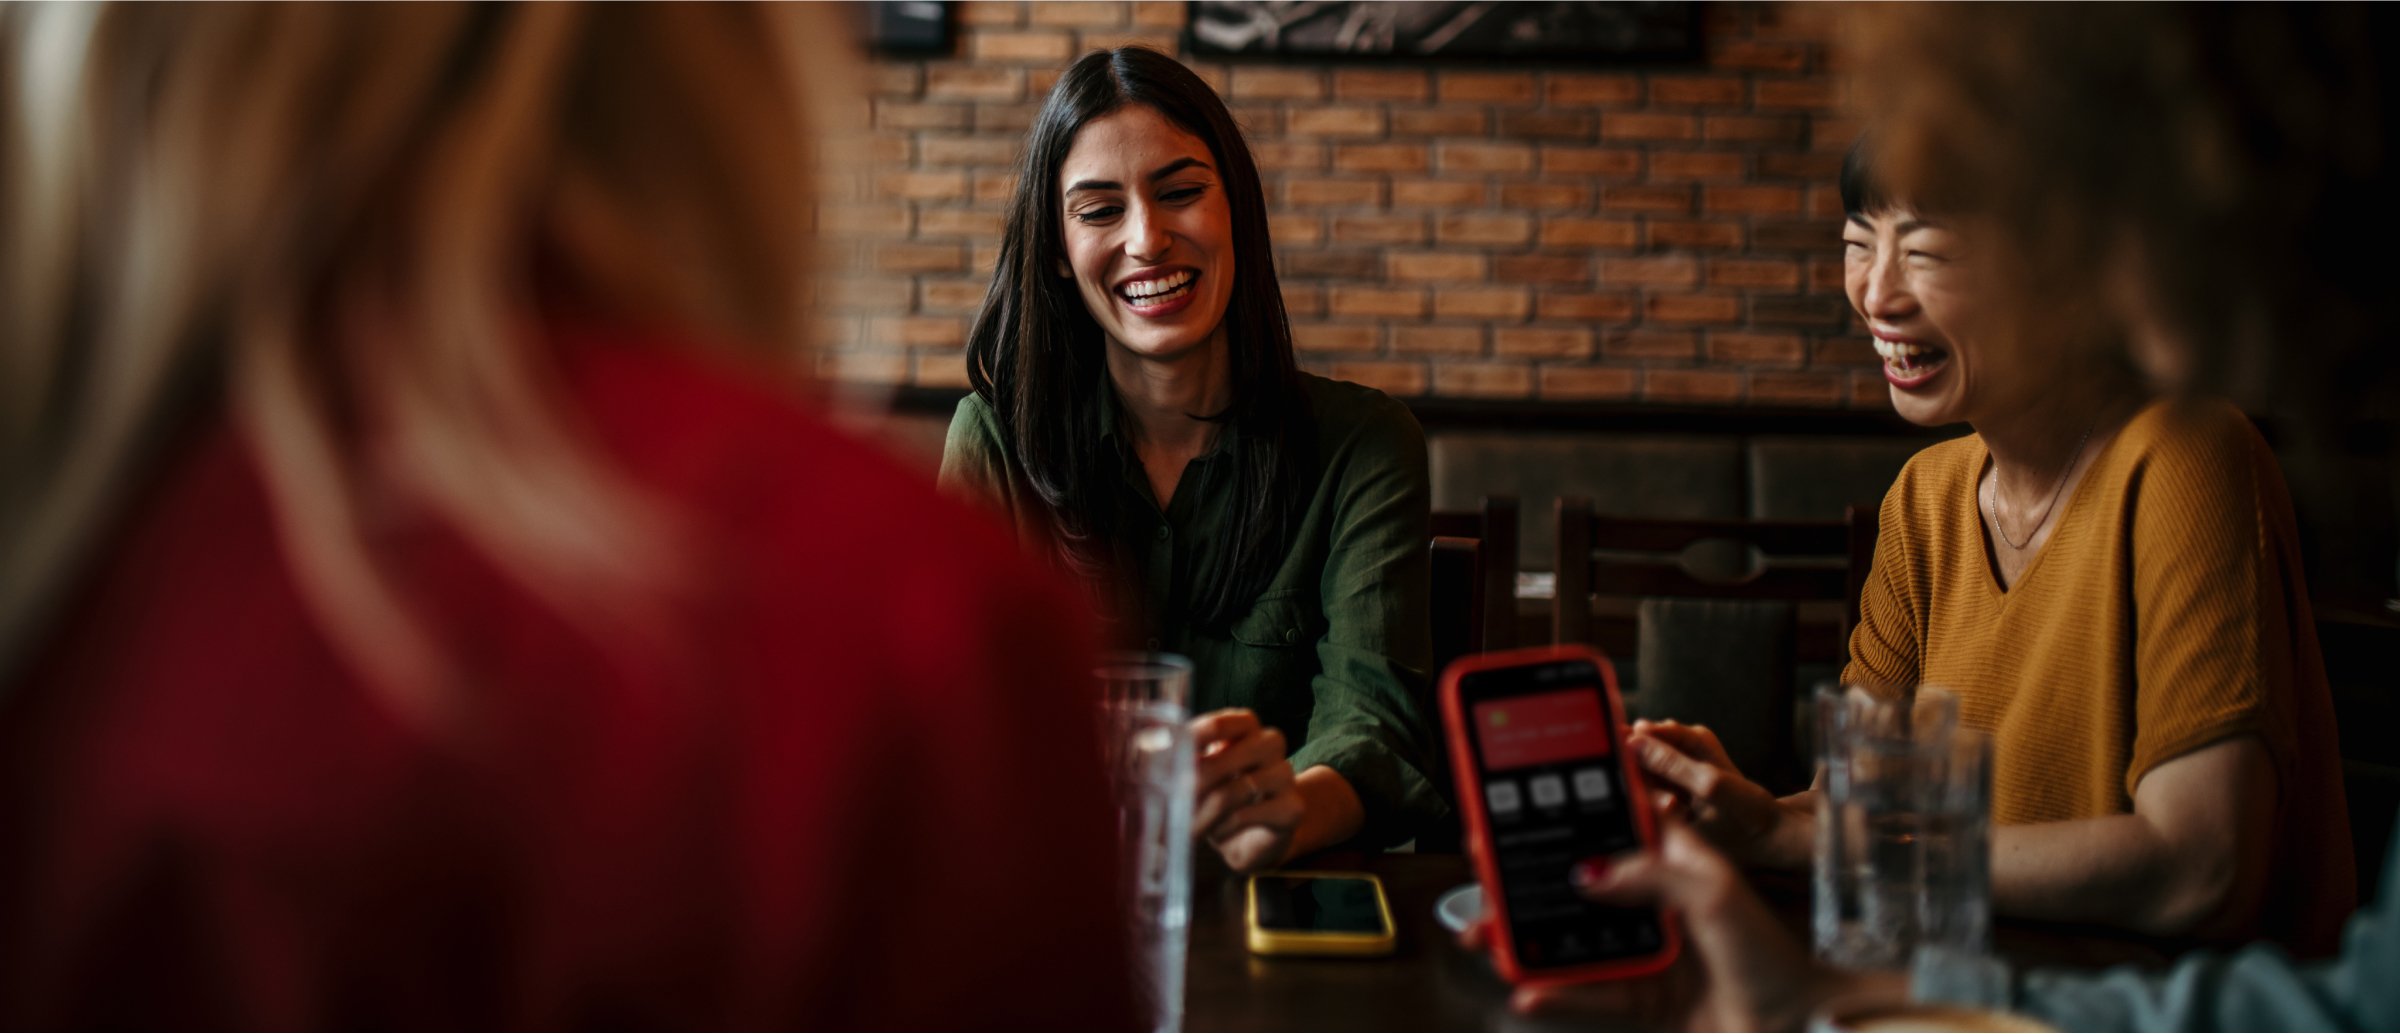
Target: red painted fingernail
1589, 872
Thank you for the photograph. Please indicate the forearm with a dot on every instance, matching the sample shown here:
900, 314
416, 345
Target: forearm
2117, 870
1333, 812
1791, 841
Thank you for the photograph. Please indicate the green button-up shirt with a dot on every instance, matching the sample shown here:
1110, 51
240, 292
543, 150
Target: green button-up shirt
1336, 651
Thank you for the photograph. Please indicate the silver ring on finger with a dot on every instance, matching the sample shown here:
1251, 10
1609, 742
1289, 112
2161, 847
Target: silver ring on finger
1256, 794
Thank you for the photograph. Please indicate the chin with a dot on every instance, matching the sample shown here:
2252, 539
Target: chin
1924, 412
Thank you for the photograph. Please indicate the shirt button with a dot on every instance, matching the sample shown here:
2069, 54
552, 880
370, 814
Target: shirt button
1164, 534
1291, 635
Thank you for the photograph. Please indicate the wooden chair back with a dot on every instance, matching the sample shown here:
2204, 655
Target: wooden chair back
1495, 526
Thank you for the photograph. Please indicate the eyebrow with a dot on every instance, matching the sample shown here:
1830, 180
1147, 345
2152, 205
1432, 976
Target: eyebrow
1163, 171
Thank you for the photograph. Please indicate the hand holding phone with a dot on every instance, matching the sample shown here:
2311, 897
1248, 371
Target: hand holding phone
1537, 740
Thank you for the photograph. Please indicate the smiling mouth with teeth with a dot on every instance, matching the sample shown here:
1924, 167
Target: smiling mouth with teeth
1148, 293
1909, 360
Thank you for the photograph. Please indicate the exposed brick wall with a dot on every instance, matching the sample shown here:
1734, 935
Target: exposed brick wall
1553, 232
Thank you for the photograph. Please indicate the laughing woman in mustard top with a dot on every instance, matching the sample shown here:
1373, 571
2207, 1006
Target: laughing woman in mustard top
2111, 583
1138, 413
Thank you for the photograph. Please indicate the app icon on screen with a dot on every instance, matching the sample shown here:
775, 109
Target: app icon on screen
1591, 784
1502, 796
1549, 791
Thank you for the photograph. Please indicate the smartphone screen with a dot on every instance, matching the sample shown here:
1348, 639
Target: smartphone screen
1553, 785
1318, 904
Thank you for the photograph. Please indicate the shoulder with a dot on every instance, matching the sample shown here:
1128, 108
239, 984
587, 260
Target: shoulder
1942, 466
2197, 432
1359, 416
975, 431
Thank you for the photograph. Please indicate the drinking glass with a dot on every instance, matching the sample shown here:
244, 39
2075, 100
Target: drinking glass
1147, 740
1903, 851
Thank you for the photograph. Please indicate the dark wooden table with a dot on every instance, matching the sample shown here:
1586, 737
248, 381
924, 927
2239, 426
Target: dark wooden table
1430, 983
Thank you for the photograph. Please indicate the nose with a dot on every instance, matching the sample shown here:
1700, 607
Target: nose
1146, 237
1886, 294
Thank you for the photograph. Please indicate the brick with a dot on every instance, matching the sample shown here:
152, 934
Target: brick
896, 78
1589, 382
1288, 155
1823, 166
1292, 229
1778, 274
1332, 265
1542, 269
1692, 308
1303, 300
1437, 340
1458, 158
1591, 161
1655, 271
978, 223
996, 188
1376, 301
1868, 390
938, 370
1258, 120
1809, 237
1356, 84
1269, 83
1159, 14
884, 149
914, 115
1487, 87
917, 331
974, 82
1076, 13
990, 12
839, 332
1545, 197
1483, 229
866, 293
1403, 380
1039, 81
1344, 121
1218, 77
1795, 93
1749, 349
1825, 274
1670, 166
1598, 308
1758, 129
1757, 56
1542, 342
1379, 229
1490, 303
1711, 386
1439, 193
983, 257
1024, 47
951, 295
1577, 232
1545, 125
1334, 193
864, 367
1350, 338
1379, 158
1440, 122
1792, 387
1712, 90
922, 186
1643, 125
966, 150
865, 220
1751, 200
1801, 310
1578, 89
1145, 37
1483, 380
1844, 351
1823, 202
1434, 266
1007, 119
1829, 134
1646, 199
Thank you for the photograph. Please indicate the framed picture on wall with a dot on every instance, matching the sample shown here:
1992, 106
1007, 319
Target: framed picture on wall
908, 27
1491, 30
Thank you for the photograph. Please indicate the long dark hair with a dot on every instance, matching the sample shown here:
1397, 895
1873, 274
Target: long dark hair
1037, 357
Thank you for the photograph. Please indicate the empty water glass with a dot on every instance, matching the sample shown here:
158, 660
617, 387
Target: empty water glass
1903, 852
1146, 737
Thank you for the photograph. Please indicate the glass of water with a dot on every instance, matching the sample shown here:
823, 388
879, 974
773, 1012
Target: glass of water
1903, 852
1146, 737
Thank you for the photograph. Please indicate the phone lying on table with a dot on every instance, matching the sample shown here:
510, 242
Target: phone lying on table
1319, 913
1537, 738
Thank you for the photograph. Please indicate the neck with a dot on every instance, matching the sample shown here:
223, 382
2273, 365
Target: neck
1167, 401
2034, 445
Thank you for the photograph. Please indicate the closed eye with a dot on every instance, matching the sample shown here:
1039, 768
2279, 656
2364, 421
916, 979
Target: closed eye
1099, 213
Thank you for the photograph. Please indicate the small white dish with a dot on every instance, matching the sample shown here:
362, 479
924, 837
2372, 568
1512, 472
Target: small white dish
1459, 907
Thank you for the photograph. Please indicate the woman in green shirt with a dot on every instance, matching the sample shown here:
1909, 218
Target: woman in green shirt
1138, 413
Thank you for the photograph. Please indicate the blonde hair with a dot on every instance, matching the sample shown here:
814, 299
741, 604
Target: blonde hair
345, 224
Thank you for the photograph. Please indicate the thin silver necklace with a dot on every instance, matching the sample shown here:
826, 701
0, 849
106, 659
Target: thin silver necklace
1991, 499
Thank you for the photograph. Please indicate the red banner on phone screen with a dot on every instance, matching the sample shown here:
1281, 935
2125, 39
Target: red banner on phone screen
1544, 727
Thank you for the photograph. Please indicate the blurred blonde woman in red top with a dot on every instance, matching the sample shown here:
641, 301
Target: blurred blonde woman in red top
418, 607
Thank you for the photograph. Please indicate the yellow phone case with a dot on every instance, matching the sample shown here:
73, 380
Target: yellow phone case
1264, 941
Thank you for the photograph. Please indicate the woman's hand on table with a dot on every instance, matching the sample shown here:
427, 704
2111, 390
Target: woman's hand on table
1739, 969
1246, 807
1693, 775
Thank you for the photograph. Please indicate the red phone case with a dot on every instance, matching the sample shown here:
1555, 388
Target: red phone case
1479, 822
